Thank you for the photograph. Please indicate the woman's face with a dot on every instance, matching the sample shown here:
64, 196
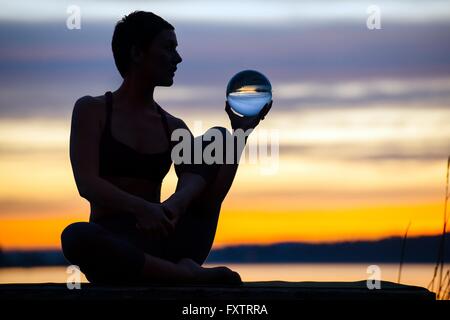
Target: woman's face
160, 59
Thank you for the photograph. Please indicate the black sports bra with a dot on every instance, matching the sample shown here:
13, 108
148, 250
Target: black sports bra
118, 159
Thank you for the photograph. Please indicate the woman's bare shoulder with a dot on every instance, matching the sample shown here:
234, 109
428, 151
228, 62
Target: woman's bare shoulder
89, 105
90, 102
175, 122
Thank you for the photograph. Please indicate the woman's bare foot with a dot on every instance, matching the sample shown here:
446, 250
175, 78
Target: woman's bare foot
215, 275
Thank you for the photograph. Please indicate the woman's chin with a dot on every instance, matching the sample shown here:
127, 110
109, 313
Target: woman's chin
166, 83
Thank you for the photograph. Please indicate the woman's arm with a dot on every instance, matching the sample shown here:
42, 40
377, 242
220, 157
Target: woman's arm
85, 136
190, 184
84, 155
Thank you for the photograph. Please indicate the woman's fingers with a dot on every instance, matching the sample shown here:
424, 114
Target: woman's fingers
228, 110
265, 110
162, 231
247, 122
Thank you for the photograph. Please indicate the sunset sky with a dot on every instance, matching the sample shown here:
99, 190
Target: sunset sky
363, 116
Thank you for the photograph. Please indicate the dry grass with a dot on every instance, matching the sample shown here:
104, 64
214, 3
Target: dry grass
402, 254
440, 283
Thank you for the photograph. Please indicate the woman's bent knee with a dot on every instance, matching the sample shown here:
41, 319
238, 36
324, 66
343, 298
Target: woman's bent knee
75, 238
101, 255
74, 233
218, 131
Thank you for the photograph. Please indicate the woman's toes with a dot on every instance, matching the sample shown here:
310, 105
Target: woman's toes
236, 278
214, 275
227, 276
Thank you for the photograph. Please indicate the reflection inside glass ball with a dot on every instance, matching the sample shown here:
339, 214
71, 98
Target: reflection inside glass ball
248, 92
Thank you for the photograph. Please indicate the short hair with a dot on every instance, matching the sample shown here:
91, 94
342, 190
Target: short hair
139, 28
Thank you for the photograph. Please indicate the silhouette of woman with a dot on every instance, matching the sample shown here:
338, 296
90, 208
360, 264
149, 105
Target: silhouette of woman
120, 151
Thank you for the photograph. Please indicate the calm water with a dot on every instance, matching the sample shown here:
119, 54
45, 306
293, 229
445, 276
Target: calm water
413, 274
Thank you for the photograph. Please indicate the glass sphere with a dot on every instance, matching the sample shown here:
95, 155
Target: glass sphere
248, 92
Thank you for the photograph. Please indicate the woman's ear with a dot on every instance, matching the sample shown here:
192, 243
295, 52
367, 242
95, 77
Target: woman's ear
136, 54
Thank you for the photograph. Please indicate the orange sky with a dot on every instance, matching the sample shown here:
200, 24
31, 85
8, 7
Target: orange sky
310, 197
239, 227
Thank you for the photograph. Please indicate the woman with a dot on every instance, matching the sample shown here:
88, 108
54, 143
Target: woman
120, 150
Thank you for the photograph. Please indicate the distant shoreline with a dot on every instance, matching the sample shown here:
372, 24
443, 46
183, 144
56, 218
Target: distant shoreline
418, 250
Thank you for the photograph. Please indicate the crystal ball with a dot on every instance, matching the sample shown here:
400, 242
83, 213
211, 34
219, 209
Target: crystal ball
248, 92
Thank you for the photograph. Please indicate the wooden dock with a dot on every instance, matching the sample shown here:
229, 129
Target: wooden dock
249, 291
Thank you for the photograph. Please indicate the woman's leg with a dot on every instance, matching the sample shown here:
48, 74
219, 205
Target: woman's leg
194, 234
107, 259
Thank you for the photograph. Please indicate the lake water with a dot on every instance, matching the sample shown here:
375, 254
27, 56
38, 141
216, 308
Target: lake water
412, 274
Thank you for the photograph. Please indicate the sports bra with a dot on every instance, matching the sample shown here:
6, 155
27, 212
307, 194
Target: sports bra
119, 159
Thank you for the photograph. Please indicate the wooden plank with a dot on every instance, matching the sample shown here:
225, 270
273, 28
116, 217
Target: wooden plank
249, 291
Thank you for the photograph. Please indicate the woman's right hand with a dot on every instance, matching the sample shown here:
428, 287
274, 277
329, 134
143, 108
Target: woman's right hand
152, 220
245, 123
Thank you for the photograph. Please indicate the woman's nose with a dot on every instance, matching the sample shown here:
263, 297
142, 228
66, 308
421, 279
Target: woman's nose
178, 58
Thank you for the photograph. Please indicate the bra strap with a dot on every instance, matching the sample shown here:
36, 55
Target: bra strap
108, 100
165, 124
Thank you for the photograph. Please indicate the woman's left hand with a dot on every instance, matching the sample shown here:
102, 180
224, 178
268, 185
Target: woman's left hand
245, 123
